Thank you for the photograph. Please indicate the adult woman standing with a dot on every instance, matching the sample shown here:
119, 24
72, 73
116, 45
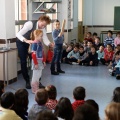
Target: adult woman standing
23, 41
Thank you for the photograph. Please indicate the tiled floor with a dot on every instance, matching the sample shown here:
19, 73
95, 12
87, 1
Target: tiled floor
98, 83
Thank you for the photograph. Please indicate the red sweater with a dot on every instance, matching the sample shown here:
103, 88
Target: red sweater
108, 55
49, 56
77, 103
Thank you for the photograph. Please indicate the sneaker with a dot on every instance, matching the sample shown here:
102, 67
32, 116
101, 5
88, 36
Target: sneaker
61, 71
117, 77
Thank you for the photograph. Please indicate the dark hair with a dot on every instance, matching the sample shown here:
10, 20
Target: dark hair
94, 34
79, 93
117, 53
1, 88
57, 20
52, 92
98, 38
46, 115
93, 103
116, 95
77, 46
86, 112
21, 102
45, 18
109, 31
7, 100
110, 45
89, 33
41, 96
81, 47
118, 33
64, 109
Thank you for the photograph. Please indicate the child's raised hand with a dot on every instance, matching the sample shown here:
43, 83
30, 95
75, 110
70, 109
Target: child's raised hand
36, 66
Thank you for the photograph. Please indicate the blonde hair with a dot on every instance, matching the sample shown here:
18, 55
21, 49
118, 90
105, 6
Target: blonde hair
35, 33
112, 111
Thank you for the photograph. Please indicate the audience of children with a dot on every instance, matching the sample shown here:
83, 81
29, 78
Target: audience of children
38, 59
16, 106
52, 94
49, 55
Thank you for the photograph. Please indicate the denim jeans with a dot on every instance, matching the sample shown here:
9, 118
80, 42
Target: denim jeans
56, 58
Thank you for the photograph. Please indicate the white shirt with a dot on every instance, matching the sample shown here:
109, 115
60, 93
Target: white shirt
28, 26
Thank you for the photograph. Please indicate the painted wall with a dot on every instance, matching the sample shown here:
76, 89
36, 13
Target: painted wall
7, 21
99, 12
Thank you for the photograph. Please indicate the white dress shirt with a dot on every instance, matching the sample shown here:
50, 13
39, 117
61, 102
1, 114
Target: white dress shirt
28, 26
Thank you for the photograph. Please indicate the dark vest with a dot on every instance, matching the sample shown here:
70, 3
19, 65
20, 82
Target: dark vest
27, 36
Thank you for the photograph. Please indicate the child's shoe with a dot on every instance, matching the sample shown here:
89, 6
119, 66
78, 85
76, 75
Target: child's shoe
34, 86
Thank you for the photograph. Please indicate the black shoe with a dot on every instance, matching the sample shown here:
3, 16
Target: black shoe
118, 77
54, 73
60, 71
28, 86
41, 86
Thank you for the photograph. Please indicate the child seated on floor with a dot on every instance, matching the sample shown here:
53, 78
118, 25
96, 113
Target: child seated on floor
65, 53
92, 58
52, 93
73, 56
89, 45
82, 53
109, 39
79, 96
41, 97
100, 53
7, 102
97, 43
114, 63
95, 35
21, 103
88, 37
49, 55
117, 39
108, 55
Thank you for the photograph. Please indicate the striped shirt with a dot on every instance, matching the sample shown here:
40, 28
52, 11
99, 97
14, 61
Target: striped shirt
109, 40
